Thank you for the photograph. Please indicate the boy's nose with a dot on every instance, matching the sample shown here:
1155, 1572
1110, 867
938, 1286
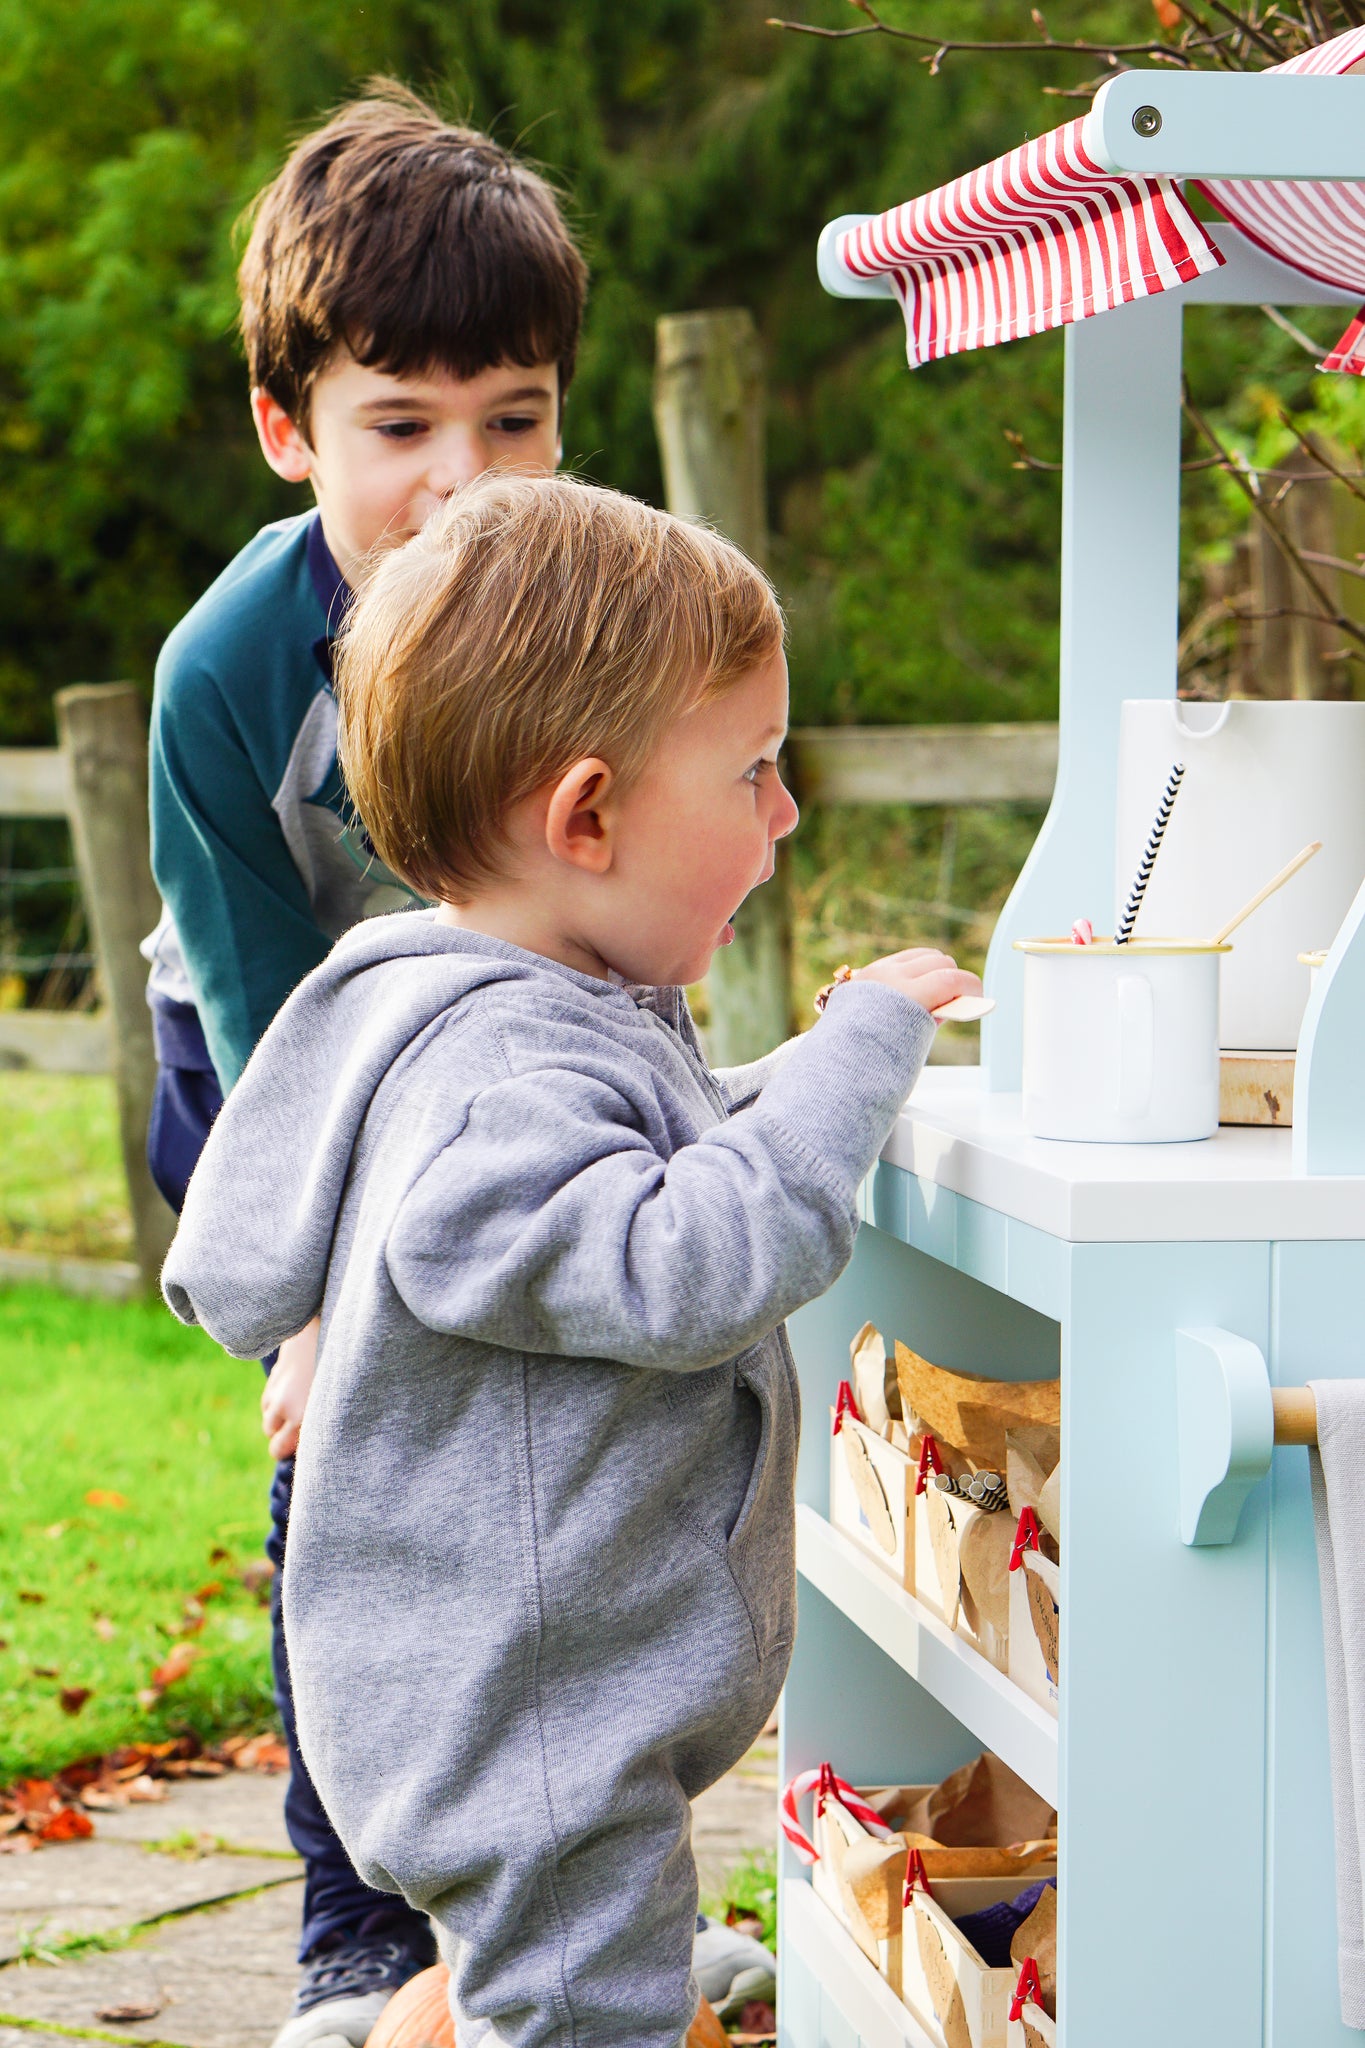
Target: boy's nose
785, 817
461, 458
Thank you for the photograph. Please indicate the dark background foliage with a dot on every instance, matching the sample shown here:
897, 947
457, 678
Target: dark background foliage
699, 152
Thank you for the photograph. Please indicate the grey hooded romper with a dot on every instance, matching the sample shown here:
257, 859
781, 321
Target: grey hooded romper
540, 1588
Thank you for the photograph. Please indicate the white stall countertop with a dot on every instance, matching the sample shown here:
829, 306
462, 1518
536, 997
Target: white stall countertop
1235, 1185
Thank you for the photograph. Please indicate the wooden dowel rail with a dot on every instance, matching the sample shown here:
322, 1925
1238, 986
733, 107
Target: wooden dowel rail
1296, 1415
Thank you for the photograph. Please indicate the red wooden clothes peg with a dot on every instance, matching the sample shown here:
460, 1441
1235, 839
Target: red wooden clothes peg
1026, 1537
929, 1461
1027, 1990
916, 1878
844, 1404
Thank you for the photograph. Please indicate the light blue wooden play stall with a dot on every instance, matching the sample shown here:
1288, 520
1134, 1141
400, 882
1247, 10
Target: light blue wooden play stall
1168, 1284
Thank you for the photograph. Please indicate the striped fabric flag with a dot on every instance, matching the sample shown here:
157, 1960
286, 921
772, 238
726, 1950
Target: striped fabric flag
1318, 228
1043, 236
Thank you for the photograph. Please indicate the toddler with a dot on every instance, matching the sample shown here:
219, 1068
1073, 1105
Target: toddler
540, 1586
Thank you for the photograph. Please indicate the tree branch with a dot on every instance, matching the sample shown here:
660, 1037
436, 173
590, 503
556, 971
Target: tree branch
1327, 612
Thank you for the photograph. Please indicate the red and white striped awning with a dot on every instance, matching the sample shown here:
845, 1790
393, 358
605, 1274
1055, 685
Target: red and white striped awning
1044, 236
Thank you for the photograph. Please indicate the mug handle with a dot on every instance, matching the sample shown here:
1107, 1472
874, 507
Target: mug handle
1136, 1044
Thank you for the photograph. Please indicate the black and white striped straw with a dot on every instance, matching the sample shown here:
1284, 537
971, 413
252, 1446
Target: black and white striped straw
1148, 861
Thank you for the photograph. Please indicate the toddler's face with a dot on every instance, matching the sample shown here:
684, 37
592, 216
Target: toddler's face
697, 833
383, 452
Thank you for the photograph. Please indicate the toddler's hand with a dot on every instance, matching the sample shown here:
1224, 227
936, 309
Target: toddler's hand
286, 1392
928, 977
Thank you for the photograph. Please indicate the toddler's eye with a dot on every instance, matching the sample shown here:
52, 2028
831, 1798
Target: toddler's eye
756, 773
514, 423
402, 430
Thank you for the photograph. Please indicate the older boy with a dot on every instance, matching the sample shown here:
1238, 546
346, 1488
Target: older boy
411, 304
540, 1585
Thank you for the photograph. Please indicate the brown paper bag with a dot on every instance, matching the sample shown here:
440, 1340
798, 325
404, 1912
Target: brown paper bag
984, 1562
973, 1413
1037, 1937
1033, 1477
982, 1805
874, 1380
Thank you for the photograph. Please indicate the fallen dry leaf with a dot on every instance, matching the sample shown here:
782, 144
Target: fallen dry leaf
68, 1824
257, 1575
218, 1555
32, 1599
74, 1697
46, 1671
105, 1497
175, 1667
259, 1753
127, 2015
104, 1628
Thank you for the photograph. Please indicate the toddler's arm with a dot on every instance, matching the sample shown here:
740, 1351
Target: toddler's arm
551, 1224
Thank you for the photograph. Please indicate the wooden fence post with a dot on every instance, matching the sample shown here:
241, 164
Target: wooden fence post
104, 733
709, 416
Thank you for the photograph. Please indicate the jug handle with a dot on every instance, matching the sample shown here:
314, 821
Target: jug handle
1192, 735
1136, 1044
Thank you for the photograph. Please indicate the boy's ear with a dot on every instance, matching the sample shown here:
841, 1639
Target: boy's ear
282, 445
577, 820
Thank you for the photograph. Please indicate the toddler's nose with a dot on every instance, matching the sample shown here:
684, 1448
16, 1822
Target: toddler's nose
785, 817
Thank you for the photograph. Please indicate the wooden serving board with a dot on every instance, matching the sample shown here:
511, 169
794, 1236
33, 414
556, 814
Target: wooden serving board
1256, 1088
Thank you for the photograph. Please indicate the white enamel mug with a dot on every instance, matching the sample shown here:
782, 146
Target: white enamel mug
1121, 1042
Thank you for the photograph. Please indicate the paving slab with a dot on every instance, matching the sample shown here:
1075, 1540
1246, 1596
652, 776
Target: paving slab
90, 1887
222, 1978
735, 1818
245, 1809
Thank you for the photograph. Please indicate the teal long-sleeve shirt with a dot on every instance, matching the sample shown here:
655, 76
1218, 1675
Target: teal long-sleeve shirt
260, 862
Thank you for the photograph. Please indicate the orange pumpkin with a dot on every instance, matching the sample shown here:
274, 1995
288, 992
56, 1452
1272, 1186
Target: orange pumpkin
418, 2016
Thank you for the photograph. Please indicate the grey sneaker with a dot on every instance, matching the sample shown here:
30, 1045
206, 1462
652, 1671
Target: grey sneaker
731, 1968
346, 1986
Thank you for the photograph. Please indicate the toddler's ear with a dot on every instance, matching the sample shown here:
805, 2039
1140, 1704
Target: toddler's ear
577, 823
282, 445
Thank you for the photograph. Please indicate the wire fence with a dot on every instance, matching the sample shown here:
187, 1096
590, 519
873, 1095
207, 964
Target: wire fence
46, 958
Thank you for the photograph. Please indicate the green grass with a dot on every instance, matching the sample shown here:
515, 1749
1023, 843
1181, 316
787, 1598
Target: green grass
61, 1174
750, 1887
117, 1398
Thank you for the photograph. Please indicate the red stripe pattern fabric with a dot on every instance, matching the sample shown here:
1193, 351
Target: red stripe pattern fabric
1044, 236
1035, 240
1318, 228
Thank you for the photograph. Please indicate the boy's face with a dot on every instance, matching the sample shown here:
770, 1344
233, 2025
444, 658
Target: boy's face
696, 833
382, 452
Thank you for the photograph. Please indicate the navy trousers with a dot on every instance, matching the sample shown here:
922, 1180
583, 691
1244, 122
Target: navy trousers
335, 1899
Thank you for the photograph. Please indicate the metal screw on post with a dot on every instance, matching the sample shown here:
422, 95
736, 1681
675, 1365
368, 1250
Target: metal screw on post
709, 416
1147, 121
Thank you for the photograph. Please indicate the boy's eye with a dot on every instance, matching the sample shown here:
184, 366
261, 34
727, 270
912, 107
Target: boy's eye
514, 423
756, 773
401, 430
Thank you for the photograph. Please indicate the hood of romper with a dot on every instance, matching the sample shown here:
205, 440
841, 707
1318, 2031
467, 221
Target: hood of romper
249, 1260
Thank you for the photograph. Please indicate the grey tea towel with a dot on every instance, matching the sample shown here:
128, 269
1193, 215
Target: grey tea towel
1337, 1469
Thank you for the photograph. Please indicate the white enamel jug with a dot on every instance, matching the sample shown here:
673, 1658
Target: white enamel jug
1121, 1042
1261, 780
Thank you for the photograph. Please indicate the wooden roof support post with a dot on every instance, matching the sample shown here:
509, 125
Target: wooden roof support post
103, 730
709, 416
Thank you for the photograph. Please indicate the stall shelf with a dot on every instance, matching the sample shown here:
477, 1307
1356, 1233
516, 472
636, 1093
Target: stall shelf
1189, 1760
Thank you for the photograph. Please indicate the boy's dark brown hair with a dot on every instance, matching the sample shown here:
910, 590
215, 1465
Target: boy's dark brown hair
415, 244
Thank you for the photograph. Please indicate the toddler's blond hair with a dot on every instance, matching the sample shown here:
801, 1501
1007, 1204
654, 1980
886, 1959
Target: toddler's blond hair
532, 623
